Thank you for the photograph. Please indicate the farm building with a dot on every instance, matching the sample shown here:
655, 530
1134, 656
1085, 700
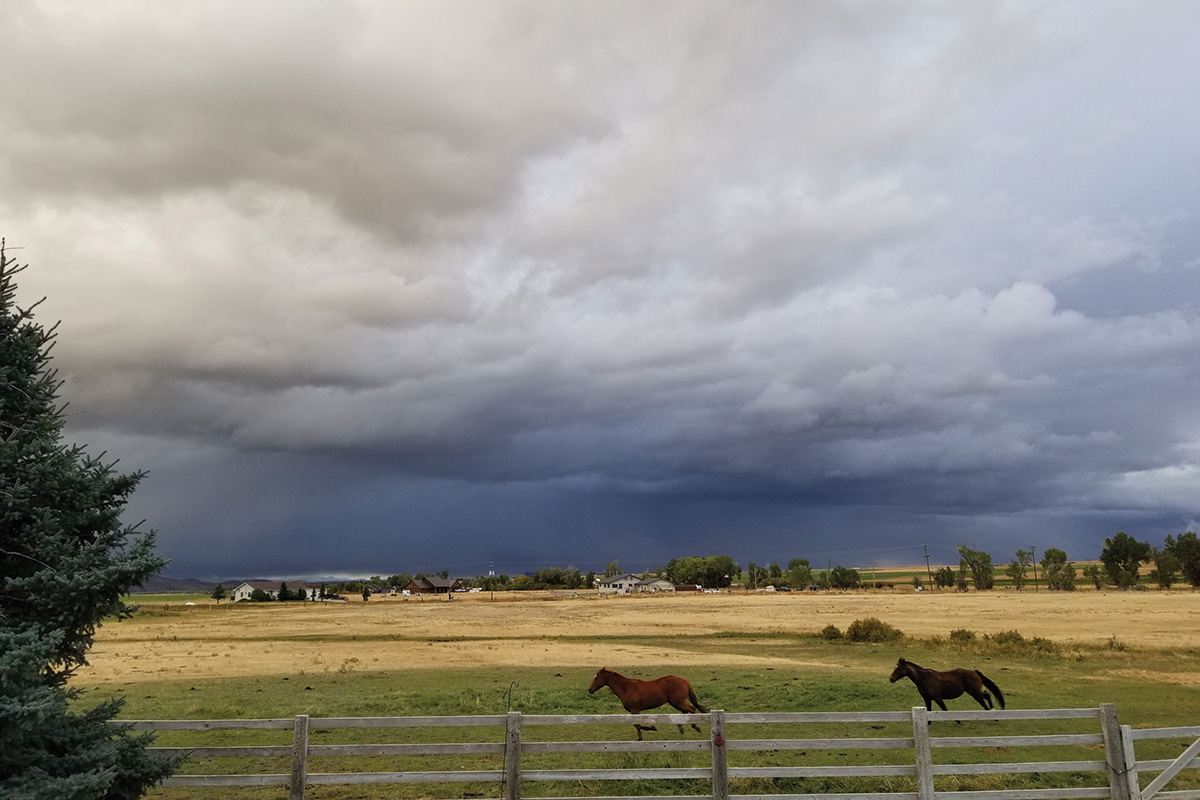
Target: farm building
631, 584
434, 585
242, 591
655, 584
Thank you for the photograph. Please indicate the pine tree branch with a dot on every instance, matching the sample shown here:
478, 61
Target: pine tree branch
31, 558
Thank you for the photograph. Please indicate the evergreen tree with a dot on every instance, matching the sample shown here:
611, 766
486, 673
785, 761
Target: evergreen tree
66, 560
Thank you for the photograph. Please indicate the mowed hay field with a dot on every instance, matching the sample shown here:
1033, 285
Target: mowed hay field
540, 630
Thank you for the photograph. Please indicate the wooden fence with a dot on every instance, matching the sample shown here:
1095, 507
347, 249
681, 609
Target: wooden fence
1117, 775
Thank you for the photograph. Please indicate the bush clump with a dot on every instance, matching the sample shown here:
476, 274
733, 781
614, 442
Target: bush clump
873, 631
1006, 638
1014, 642
962, 636
831, 632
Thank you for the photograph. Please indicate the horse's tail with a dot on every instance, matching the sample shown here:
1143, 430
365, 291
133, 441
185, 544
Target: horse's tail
694, 701
993, 687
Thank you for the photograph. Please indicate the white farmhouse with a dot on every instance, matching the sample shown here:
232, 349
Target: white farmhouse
243, 590
618, 584
629, 584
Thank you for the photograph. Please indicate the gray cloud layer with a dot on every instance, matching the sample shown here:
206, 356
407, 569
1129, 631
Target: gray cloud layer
397, 286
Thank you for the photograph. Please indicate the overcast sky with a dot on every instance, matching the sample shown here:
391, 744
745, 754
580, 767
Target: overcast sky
381, 287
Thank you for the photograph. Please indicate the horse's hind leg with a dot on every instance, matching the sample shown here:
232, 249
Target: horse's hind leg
984, 699
641, 728
687, 708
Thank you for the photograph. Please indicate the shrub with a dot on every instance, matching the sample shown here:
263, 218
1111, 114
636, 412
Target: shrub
1014, 642
872, 630
1044, 645
831, 632
962, 636
1013, 638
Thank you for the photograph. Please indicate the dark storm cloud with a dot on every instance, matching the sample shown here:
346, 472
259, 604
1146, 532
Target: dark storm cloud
386, 286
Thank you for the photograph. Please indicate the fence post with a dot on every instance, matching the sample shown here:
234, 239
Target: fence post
922, 753
299, 758
512, 756
1135, 786
720, 757
1114, 754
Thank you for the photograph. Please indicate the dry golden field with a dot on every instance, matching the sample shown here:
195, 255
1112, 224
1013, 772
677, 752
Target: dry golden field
538, 629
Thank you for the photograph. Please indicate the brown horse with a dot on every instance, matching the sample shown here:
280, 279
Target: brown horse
937, 686
638, 696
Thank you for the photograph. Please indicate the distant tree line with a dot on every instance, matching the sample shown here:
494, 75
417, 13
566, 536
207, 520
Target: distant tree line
1121, 560
1177, 561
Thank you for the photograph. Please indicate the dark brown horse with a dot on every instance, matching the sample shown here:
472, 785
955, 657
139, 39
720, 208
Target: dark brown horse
638, 695
937, 686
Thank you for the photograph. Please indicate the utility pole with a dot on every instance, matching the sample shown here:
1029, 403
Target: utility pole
1033, 556
491, 581
928, 571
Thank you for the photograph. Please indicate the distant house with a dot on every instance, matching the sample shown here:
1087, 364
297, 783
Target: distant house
242, 591
655, 584
618, 584
434, 585
632, 584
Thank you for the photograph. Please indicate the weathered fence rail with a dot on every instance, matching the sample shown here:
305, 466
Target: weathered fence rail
1117, 775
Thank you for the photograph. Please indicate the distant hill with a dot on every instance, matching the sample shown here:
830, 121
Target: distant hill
160, 584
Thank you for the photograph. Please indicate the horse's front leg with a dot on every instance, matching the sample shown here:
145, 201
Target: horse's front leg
942, 706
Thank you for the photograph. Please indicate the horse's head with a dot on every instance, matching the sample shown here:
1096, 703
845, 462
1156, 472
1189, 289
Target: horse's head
600, 681
901, 671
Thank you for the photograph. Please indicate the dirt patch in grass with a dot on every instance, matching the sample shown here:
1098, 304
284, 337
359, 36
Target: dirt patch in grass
538, 629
